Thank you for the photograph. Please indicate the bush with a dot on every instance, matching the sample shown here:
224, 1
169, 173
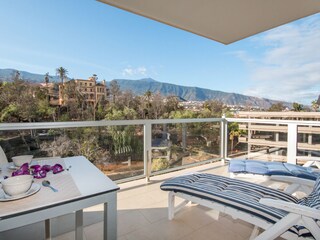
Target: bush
159, 164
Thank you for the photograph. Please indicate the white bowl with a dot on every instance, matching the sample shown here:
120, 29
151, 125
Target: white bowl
19, 160
17, 185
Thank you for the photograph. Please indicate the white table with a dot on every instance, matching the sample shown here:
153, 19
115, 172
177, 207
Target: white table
95, 188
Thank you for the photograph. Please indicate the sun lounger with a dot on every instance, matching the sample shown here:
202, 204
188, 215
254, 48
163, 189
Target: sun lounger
298, 177
276, 212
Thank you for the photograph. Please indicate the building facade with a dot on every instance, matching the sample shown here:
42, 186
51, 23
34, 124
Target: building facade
273, 137
89, 90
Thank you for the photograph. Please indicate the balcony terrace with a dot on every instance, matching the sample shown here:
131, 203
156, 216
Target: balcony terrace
140, 154
143, 214
142, 206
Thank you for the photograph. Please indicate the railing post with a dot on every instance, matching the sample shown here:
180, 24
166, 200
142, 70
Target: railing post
223, 139
147, 138
292, 143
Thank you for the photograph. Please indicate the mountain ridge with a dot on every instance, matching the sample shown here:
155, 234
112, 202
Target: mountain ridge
8, 73
140, 86
194, 93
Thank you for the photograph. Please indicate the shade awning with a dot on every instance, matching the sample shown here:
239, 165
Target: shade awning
225, 21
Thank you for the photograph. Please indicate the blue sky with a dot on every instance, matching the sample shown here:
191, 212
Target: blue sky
88, 37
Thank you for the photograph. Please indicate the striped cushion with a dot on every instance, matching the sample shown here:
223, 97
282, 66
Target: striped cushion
313, 199
235, 193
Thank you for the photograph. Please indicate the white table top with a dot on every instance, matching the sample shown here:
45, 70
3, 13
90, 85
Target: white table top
89, 180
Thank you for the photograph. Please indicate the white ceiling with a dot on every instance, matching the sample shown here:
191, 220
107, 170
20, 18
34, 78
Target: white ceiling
225, 21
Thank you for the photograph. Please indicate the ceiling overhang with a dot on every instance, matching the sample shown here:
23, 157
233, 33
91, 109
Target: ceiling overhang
225, 21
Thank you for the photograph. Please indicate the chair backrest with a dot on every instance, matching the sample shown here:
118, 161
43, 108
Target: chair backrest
3, 157
313, 199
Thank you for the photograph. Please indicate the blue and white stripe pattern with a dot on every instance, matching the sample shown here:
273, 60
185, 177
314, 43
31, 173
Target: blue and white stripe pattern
235, 193
313, 199
272, 168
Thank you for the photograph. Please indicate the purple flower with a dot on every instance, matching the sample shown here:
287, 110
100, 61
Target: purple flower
40, 174
37, 171
25, 167
57, 168
46, 168
35, 167
20, 172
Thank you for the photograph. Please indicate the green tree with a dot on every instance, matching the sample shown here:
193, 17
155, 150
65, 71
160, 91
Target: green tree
46, 78
125, 114
315, 105
171, 104
297, 107
276, 107
45, 111
234, 133
146, 102
124, 141
157, 106
62, 73
17, 76
114, 90
18, 101
215, 106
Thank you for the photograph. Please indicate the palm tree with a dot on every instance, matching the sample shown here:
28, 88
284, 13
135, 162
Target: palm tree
17, 76
46, 78
297, 107
234, 132
114, 89
147, 97
62, 73
314, 105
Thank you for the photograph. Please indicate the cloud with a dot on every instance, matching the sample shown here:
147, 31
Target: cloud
130, 71
289, 67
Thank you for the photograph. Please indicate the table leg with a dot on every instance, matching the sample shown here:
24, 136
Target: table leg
110, 217
47, 228
79, 225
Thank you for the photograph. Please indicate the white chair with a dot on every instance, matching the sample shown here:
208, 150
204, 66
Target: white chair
3, 157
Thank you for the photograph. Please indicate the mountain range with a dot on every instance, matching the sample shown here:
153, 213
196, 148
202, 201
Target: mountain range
193, 93
141, 86
8, 74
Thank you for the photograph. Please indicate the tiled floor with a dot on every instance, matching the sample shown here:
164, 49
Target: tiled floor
142, 215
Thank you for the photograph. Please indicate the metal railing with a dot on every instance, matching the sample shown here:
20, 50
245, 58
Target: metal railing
291, 131
289, 127
147, 135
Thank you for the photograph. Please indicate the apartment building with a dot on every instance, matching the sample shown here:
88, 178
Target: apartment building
89, 89
274, 137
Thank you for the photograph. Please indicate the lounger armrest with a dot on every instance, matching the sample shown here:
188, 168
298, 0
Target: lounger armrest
288, 179
291, 207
